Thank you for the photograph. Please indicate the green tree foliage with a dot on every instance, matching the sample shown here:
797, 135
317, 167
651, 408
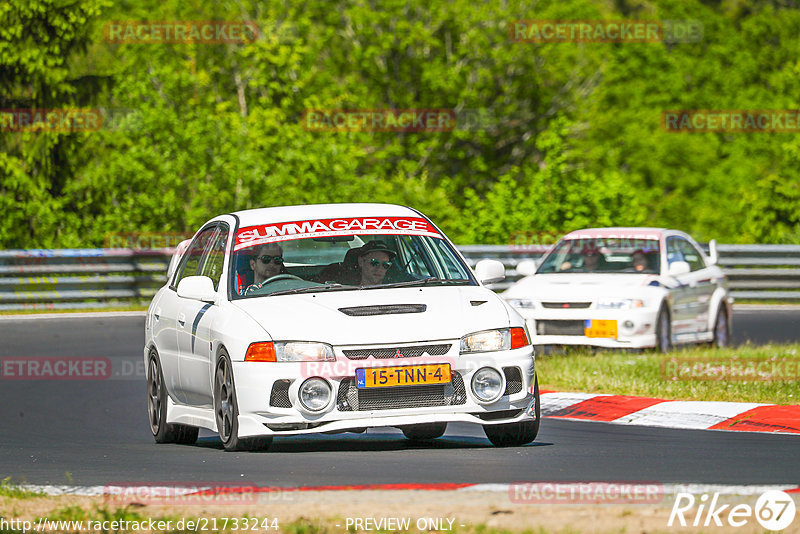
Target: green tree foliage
569, 133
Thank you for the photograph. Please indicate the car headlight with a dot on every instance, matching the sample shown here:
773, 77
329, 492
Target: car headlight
493, 340
314, 394
618, 304
487, 384
486, 341
521, 303
290, 351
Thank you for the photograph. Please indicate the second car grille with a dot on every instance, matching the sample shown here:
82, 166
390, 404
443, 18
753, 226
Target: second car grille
559, 328
397, 352
350, 398
579, 305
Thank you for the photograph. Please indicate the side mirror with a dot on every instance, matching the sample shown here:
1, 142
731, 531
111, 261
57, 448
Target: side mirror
677, 268
490, 271
197, 288
527, 267
176, 257
713, 255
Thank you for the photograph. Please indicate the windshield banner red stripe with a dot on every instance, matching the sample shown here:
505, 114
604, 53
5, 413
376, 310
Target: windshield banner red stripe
270, 233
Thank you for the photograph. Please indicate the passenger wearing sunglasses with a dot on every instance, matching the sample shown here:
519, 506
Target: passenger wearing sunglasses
266, 263
374, 260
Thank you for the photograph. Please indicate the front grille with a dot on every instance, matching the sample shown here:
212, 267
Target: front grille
279, 398
513, 380
351, 399
579, 305
559, 328
388, 309
397, 352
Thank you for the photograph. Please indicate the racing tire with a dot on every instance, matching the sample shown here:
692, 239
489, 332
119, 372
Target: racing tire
424, 431
722, 329
663, 331
516, 434
164, 432
226, 410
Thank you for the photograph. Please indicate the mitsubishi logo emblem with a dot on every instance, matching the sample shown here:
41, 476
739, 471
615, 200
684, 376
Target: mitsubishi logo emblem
398, 354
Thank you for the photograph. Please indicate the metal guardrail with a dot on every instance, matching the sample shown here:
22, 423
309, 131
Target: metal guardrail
100, 278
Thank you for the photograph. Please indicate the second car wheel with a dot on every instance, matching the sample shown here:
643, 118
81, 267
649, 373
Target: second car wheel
226, 410
721, 329
663, 330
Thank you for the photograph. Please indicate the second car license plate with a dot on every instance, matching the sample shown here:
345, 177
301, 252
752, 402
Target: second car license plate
408, 375
600, 328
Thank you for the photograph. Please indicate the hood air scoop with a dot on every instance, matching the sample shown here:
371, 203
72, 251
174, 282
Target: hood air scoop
384, 309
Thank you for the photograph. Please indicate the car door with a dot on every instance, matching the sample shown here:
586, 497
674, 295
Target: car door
701, 285
195, 322
170, 310
681, 292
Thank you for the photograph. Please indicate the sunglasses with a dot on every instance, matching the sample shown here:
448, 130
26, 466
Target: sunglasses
278, 260
385, 264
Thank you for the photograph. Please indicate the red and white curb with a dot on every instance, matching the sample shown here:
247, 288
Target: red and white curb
166, 489
644, 411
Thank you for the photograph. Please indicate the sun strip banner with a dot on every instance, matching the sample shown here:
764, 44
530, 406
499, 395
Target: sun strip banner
270, 233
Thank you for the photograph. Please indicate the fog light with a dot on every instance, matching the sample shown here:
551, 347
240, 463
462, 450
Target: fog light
628, 324
487, 384
314, 394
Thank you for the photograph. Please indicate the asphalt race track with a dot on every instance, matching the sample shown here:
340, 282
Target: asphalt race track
95, 432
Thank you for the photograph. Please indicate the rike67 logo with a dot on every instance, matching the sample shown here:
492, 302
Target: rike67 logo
774, 510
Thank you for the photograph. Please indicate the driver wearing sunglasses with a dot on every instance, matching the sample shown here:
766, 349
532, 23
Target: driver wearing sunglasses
374, 260
266, 262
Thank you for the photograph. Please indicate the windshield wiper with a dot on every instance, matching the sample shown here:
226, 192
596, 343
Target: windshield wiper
310, 289
421, 282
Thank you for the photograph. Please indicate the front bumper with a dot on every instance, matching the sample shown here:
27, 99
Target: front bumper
257, 384
635, 327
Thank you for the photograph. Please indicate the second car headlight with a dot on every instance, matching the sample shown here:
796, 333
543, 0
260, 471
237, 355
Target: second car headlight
521, 303
618, 304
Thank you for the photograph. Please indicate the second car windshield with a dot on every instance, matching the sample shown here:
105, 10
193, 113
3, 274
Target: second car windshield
345, 262
603, 255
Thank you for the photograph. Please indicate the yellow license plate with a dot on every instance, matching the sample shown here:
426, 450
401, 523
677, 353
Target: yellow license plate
600, 328
408, 375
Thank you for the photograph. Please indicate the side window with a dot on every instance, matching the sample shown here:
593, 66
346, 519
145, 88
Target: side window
678, 249
674, 252
215, 257
191, 258
692, 255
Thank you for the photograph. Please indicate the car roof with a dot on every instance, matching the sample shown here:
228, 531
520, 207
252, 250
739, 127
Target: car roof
639, 232
280, 214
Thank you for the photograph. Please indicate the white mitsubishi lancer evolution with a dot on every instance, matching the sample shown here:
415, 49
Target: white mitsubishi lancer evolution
333, 318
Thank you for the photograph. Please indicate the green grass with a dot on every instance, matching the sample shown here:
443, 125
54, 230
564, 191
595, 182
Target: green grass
641, 374
141, 308
14, 491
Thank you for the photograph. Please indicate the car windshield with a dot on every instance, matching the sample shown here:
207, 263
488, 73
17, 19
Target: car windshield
603, 254
342, 255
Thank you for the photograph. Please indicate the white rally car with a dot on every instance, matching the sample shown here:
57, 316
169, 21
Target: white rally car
624, 288
332, 318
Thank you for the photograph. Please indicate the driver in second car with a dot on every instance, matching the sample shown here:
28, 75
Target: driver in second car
266, 263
